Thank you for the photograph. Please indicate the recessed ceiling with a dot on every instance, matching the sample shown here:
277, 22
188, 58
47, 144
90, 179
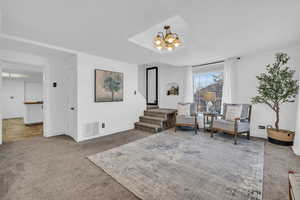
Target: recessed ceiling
218, 29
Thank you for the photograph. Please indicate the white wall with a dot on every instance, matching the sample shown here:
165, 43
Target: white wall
142, 80
166, 74
33, 113
56, 105
296, 146
14, 93
246, 87
1, 23
12, 98
188, 93
117, 116
33, 91
71, 84
165, 77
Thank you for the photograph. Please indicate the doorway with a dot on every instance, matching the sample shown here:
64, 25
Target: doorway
22, 103
152, 86
26, 55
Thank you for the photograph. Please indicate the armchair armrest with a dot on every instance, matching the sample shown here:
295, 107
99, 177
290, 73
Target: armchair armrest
194, 114
240, 119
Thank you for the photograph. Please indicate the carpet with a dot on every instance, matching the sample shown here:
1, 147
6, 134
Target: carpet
174, 166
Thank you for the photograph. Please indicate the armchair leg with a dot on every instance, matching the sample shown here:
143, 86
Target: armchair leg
248, 135
235, 130
235, 138
204, 130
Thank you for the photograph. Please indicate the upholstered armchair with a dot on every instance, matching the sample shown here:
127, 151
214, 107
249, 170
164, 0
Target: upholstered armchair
187, 116
235, 120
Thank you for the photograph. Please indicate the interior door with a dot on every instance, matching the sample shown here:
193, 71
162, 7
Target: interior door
71, 104
152, 86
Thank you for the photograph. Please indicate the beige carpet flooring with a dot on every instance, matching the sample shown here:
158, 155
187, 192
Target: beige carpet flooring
57, 169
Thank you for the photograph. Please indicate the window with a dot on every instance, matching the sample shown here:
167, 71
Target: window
208, 87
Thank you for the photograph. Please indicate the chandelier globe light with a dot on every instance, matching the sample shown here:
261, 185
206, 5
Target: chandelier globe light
168, 41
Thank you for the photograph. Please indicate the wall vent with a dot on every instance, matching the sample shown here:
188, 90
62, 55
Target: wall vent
91, 129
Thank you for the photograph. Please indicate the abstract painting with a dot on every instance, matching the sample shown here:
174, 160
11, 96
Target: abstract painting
108, 86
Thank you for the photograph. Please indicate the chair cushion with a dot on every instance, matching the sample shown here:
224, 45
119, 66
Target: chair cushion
181, 119
193, 109
245, 111
183, 109
229, 125
233, 112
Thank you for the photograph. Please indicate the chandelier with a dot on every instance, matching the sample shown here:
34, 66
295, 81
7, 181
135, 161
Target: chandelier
168, 41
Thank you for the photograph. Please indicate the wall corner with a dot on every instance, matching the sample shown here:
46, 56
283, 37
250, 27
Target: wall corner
295, 150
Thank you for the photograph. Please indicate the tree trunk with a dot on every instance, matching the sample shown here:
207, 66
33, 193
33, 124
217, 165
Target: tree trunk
112, 95
277, 119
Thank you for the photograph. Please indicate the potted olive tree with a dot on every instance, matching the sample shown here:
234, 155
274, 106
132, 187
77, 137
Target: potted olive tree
277, 86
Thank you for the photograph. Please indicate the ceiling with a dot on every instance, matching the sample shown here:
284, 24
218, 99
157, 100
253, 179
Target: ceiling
145, 39
216, 29
24, 72
8, 44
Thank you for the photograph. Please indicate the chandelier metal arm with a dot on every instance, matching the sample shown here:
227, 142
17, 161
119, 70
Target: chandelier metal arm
167, 41
176, 35
160, 34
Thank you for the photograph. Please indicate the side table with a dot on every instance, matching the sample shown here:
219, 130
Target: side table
208, 119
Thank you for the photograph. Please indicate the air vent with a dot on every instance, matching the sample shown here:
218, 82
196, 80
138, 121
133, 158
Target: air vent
91, 129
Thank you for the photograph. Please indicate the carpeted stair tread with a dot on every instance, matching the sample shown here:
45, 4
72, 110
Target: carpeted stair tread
154, 118
161, 111
149, 107
147, 125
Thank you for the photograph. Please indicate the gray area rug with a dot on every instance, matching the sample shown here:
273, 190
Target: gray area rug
182, 166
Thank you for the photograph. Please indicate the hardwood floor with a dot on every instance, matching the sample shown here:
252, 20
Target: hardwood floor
15, 129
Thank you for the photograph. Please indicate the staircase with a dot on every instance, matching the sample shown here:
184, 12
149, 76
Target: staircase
156, 120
